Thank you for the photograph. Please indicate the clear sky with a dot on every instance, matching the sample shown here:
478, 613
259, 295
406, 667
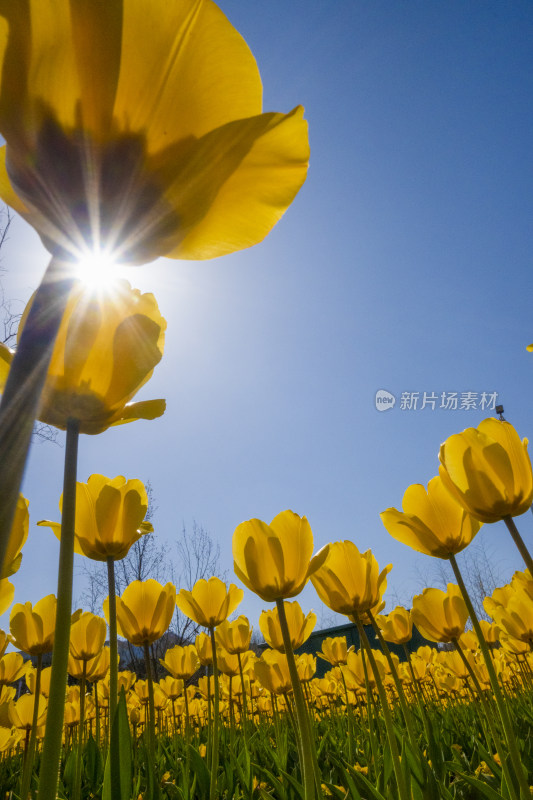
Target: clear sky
404, 264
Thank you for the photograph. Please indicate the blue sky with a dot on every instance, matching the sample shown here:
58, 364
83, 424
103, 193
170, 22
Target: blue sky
404, 264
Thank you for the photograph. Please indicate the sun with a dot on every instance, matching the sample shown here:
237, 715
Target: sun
97, 270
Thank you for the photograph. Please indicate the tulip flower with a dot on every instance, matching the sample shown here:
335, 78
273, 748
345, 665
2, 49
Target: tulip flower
349, 582
272, 671
209, 602
515, 618
5, 639
396, 627
234, 636
32, 628
306, 666
440, 616
489, 470
334, 650
109, 517
300, 626
144, 611
87, 636
17, 538
203, 648
181, 662
106, 349
7, 594
275, 561
12, 667
21, 712
432, 522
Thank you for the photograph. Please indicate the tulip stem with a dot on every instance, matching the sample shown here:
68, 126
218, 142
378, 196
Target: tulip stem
28, 761
213, 787
301, 711
151, 704
519, 542
77, 781
22, 392
113, 647
510, 737
387, 716
51, 755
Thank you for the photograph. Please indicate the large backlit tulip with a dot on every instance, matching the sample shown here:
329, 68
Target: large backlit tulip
138, 140
144, 611
440, 616
7, 594
17, 538
33, 628
489, 470
109, 517
432, 520
300, 626
209, 602
106, 349
275, 561
349, 582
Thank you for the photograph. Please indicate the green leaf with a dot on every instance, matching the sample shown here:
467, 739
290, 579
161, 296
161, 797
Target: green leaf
118, 769
483, 788
94, 768
203, 776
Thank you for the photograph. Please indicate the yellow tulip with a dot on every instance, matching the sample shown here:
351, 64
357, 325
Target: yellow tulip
349, 582
98, 667
228, 663
234, 636
7, 594
306, 666
334, 650
33, 628
12, 667
300, 626
5, 639
21, 711
275, 561
31, 676
87, 636
489, 471
432, 522
106, 350
171, 687
272, 672
204, 649
515, 619
210, 602
17, 538
109, 517
144, 611
396, 627
139, 140
181, 662
8, 739
440, 616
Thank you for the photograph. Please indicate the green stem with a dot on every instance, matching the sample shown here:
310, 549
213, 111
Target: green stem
113, 647
97, 713
151, 704
213, 787
22, 392
399, 688
77, 781
519, 542
30, 755
244, 703
51, 755
389, 726
510, 737
301, 713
